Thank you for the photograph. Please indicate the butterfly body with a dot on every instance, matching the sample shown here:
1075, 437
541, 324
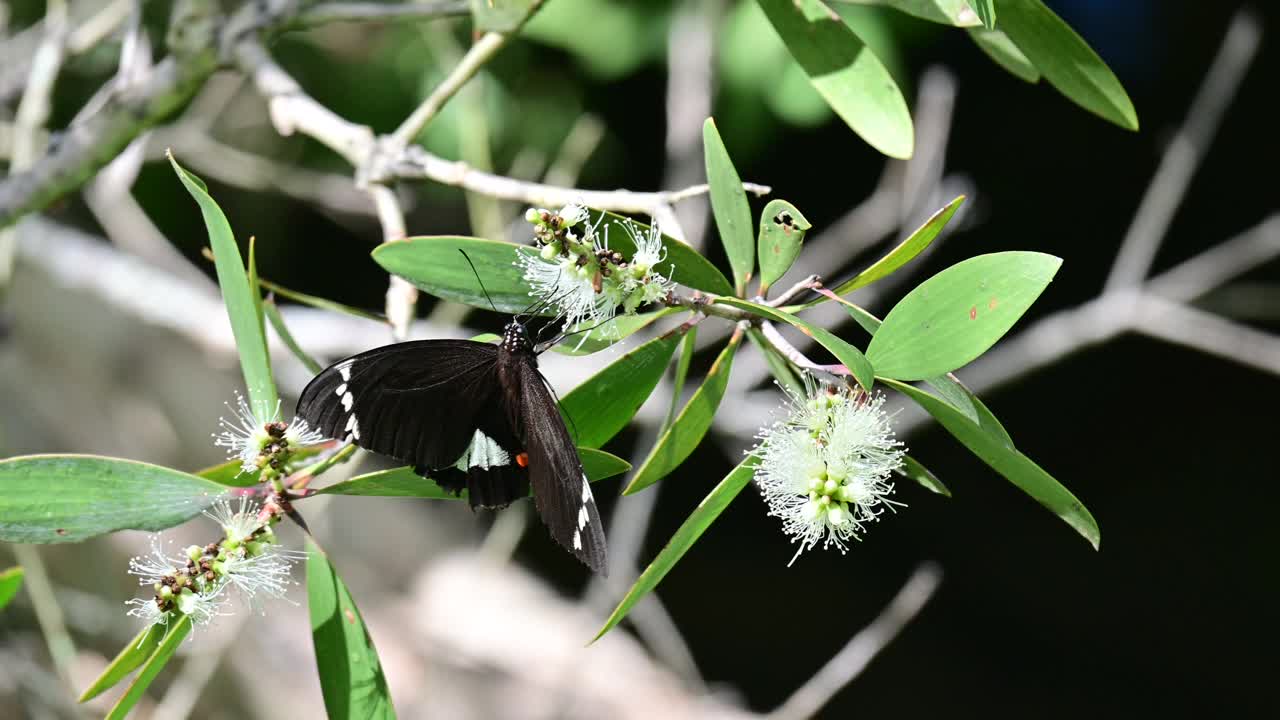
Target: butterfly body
468, 415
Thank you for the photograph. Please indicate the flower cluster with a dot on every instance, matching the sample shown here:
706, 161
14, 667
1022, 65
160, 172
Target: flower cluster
195, 583
824, 470
580, 277
262, 444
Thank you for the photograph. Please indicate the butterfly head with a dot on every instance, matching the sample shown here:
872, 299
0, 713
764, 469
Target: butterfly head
515, 338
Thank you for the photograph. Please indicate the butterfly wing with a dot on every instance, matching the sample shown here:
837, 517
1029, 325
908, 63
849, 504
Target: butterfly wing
420, 402
560, 488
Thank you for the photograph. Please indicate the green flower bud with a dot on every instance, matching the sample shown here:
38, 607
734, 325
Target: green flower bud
165, 592
550, 250
531, 215
194, 552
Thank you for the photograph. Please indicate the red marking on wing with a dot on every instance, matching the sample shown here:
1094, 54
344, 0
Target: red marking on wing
522, 459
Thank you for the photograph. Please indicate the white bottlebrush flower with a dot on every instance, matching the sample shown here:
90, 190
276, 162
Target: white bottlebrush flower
825, 469
565, 287
238, 522
245, 436
264, 569
155, 566
148, 610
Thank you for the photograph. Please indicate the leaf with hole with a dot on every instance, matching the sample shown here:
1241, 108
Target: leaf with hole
782, 230
693, 527
729, 205
845, 72
601, 406
956, 315
1013, 465
242, 308
690, 426
68, 498
1066, 60
351, 677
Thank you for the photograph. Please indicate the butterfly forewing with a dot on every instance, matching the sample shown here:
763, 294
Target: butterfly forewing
560, 487
418, 401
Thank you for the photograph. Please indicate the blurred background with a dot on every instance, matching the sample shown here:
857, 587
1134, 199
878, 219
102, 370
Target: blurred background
113, 341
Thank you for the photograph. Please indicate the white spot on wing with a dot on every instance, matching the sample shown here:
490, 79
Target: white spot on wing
345, 372
355, 428
341, 389
484, 452
586, 489
347, 401
577, 539
583, 517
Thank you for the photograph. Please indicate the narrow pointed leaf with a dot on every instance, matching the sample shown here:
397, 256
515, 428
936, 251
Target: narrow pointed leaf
782, 230
176, 632
435, 265
1013, 465
986, 11
954, 316
242, 309
130, 658
601, 406
905, 252
845, 72
618, 329
68, 498
351, 678
697, 523
1001, 49
277, 323
687, 348
944, 12
404, 482
10, 583
319, 302
1066, 60
729, 205
847, 354
682, 264
778, 365
689, 427
912, 469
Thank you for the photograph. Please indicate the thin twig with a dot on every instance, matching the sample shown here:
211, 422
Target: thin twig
854, 657
48, 612
402, 296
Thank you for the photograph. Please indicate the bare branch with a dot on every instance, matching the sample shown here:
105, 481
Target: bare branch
1184, 153
854, 657
1208, 333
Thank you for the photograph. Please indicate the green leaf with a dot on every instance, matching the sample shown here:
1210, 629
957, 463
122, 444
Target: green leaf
601, 406
944, 12
954, 316
1066, 60
10, 583
502, 16
277, 323
130, 658
404, 482
729, 205
689, 427
320, 303
351, 678
435, 265
1013, 465
687, 347
697, 523
68, 498
778, 365
782, 230
850, 356
619, 329
913, 470
845, 72
228, 473
246, 323
683, 264
986, 11
1001, 49
177, 631
905, 252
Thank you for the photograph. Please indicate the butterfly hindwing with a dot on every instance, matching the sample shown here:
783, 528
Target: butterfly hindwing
420, 401
560, 488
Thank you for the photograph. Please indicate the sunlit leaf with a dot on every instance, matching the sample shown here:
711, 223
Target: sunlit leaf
945, 12
1066, 60
404, 482
68, 498
10, 583
436, 265
351, 678
986, 11
242, 308
954, 316
282, 331
176, 632
690, 426
1013, 465
682, 264
1001, 49
729, 205
905, 252
845, 72
688, 533
601, 406
782, 230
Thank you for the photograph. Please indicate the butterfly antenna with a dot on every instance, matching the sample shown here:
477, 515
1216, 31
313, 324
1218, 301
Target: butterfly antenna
564, 335
473, 271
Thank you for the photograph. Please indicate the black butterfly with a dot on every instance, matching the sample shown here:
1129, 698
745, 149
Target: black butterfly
468, 415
